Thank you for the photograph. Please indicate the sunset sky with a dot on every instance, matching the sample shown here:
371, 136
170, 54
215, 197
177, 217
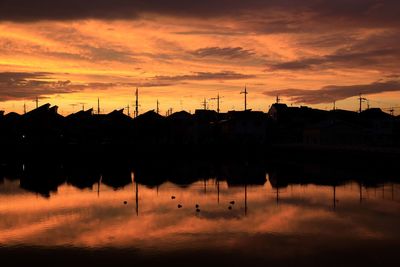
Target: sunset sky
311, 52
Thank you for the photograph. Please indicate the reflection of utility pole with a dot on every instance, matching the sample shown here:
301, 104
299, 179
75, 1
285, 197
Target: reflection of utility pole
361, 197
98, 186
277, 195
245, 97
392, 191
334, 197
245, 199
218, 191
137, 198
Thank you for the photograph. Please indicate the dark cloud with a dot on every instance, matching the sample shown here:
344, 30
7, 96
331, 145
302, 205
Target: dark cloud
20, 85
367, 13
223, 52
107, 54
202, 76
28, 85
379, 52
331, 93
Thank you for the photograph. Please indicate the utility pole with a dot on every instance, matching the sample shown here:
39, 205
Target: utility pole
137, 103
37, 102
158, 107
205, 104
245, 97
334, 104
278, 99
391, 111
24, 108
98, 106
361, 99
218, 98
129, 113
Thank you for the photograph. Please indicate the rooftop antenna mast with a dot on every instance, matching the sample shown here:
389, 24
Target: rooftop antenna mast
245, 97
137, 103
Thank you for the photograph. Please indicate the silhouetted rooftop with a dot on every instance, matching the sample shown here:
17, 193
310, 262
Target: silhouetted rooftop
180, 115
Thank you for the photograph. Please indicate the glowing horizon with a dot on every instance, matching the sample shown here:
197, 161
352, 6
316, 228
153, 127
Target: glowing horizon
310, 54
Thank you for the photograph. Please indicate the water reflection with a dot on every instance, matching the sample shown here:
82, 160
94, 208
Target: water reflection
241, 206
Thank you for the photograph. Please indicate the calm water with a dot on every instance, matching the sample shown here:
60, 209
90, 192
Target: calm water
296, 224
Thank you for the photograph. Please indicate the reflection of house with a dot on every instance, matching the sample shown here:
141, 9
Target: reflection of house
244, 127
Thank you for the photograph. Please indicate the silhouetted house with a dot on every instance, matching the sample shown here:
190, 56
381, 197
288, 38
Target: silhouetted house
244, 127
149, 128
396, 131
278, 111
9, 129
42, 126
180, 128
333, 133
379, 127
344, 115
81, 128
289, 122
117, 127
205, 130
1, 113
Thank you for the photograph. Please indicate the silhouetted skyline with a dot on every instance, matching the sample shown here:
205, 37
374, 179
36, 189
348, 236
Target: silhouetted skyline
309, 52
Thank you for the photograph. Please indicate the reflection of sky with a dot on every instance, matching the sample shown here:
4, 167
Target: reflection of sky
84, 218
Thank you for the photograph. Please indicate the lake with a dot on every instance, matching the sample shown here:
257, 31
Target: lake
273, 219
